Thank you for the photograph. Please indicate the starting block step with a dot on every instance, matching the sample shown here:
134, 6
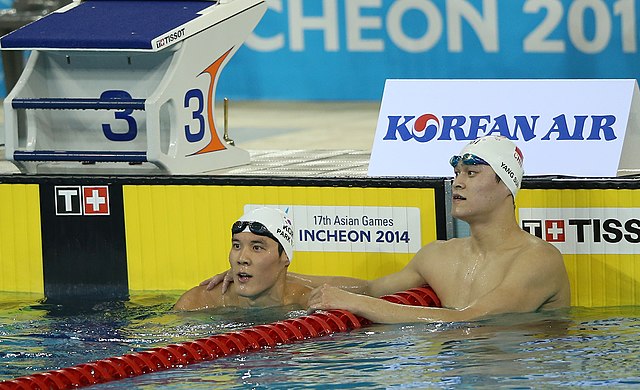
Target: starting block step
77, 104
125, 81
81, 156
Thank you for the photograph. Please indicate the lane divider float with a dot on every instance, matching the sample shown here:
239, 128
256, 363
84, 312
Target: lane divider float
256, 338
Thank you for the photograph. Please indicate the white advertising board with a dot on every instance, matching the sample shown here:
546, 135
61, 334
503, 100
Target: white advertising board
563, 127
585, 231
353, 228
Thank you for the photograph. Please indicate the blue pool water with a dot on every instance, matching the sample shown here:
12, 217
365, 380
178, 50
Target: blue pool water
577, 347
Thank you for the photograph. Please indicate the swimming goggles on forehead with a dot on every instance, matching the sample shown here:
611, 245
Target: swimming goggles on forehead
467, 159
254, 227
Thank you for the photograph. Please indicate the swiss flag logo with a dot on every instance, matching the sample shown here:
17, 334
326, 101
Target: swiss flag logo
554, 230
96, 200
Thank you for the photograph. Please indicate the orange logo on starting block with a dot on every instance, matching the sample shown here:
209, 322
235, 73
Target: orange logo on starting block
215, 144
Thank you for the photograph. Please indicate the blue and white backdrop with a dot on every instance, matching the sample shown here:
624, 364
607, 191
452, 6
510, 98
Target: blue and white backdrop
346, 49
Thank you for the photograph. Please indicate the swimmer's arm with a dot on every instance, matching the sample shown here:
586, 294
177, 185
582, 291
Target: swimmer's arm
389, 284
377, 310
525, 289
354, 285
406, 278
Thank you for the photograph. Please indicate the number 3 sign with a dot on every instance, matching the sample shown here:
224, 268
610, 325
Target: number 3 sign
131, 93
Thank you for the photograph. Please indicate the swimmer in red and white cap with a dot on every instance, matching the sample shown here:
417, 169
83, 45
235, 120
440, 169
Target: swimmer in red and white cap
502, 155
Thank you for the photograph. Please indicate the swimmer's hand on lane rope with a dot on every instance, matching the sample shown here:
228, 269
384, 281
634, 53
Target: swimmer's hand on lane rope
223, 277
327, 297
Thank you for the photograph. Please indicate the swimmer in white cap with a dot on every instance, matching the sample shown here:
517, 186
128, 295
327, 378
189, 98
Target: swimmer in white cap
498, 269
261, 251
502, 155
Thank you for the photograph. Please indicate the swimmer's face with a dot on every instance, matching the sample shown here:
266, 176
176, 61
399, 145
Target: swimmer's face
476, 191
256, 265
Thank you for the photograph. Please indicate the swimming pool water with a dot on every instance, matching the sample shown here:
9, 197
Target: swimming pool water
576, 347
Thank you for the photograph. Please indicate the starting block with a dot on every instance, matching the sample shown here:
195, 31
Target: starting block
125, 86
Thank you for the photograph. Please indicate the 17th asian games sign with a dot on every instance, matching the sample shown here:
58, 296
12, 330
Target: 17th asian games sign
564, 127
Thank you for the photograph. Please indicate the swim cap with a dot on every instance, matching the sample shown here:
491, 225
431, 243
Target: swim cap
502, 155
277, 222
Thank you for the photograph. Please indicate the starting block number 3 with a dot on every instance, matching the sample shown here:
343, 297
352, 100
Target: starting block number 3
125, 115
193, 100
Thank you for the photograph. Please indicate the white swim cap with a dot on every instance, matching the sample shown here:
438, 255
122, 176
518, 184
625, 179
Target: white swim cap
277, 223
502, 155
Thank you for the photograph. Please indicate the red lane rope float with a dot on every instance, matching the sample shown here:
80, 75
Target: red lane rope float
177, 355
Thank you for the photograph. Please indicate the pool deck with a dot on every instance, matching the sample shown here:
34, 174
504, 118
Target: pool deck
303, 138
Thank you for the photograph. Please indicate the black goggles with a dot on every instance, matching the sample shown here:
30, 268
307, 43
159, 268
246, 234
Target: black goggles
254, 227
467, 159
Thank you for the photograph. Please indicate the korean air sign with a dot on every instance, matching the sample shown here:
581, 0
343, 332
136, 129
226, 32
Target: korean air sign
556, 123
428, 127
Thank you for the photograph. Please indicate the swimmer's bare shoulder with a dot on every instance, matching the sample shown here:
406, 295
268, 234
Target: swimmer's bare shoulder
435, 264
545, 266
199, 298
436, 254
297, 294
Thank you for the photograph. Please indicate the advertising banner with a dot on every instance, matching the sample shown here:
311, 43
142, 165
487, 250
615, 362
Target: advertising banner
346, 49
174, 242
20, 239
563, 127
586, 231
354, 228
598, 233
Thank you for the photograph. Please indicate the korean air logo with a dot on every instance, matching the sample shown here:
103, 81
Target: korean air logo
422, 129
430, 127
82, 200
585, 231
